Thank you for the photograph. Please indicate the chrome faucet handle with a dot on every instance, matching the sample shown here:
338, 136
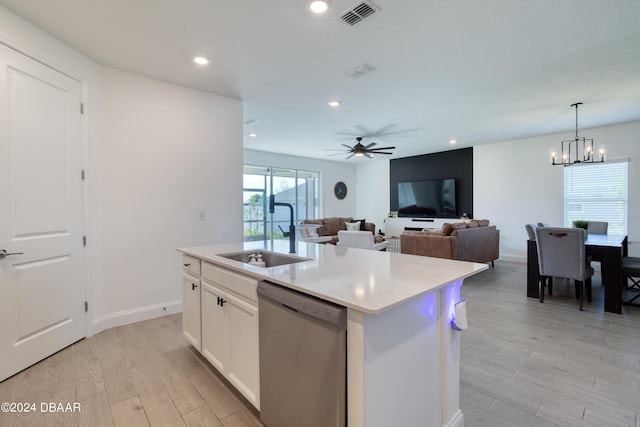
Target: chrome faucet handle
4, 253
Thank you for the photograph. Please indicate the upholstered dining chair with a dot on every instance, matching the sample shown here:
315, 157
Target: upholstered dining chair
561, 253
530, 231
631, 272
597, 227
359, 239
532, 236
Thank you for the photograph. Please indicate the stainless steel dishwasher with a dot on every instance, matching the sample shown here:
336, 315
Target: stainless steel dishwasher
302, 359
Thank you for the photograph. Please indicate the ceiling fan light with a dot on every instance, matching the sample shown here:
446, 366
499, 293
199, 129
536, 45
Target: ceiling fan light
319, 6
200, 60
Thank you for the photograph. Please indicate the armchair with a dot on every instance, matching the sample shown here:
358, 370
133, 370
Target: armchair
359, 239
308, 233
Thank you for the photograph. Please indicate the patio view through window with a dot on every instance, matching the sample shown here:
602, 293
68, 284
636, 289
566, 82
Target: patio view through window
597, 192
297, 187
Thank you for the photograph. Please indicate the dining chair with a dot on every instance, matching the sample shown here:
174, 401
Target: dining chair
597, 227
530, 231
532, 236
631, 272
561, 253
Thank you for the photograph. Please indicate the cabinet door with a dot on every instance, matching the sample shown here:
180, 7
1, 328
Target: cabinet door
215, 329
243, 368
191, 309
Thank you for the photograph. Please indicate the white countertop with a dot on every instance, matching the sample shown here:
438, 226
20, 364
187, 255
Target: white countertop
364, 280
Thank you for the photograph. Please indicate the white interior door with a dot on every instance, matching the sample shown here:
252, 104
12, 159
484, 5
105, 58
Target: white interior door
42, 290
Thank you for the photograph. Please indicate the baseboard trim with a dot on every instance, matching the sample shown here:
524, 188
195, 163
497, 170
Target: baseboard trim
456, 421
135, 315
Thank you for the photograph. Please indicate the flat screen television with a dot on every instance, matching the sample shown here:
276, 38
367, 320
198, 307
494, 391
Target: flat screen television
431, 198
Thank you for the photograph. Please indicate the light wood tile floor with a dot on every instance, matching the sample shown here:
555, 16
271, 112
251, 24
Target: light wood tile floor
522, 364
142, 374
529, 364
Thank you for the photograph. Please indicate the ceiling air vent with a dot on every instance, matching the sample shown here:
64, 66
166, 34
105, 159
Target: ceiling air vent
360, 70
358, 12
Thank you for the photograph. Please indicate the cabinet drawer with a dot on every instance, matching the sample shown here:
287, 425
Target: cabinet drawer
233, 282
191, 265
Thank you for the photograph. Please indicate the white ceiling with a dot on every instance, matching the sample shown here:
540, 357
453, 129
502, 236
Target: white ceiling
477, 71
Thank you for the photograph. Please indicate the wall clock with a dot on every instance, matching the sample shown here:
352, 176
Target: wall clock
340, 190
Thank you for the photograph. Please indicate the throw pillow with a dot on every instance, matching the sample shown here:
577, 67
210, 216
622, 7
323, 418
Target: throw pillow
447, 228
331, 225
362, 222
352, 226
482, 222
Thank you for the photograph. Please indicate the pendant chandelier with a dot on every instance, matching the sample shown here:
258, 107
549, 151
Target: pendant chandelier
572, 147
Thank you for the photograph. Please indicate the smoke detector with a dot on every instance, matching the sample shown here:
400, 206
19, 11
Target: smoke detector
358, 12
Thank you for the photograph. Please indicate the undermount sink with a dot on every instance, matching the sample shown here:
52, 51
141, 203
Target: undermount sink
271, 259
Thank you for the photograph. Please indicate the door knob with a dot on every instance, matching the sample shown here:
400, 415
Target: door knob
4, 253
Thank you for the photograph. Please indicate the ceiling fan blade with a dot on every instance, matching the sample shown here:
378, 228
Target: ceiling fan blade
348, 146
350, 156
369, 155
337, 154
382, 148
366, 147
380, 152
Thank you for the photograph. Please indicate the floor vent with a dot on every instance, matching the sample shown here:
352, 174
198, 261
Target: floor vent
358, 12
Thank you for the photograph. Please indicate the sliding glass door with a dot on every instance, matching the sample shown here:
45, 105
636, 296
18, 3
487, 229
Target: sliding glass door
295, 187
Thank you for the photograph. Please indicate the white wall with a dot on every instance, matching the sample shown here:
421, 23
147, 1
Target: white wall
167, 153
515, 183
155, 154
331, 172
372, 192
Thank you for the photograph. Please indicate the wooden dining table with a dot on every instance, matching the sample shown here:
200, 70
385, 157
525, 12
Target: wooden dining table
608, 249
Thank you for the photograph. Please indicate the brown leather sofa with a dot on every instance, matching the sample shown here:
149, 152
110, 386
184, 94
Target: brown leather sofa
331, 225
475, 241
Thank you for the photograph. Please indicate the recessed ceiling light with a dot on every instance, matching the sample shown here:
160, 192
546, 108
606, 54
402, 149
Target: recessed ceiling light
253, 134
452, 141
334, 103
319, 6
200, 60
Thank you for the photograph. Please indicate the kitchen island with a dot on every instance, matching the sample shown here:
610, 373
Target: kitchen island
403, 357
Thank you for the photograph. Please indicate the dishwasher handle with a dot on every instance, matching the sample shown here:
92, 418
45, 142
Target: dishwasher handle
304, 304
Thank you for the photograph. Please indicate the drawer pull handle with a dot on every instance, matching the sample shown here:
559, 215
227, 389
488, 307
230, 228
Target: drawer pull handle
187, 265
221, 301
193, 286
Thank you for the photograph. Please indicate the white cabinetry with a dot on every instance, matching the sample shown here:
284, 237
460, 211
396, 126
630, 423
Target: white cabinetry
229, 313
191, 300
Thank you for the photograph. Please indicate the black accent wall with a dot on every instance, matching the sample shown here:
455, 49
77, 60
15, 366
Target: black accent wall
456, 164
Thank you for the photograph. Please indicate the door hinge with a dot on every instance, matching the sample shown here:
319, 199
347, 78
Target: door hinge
86, 306
84, 240
81, 108
82, 174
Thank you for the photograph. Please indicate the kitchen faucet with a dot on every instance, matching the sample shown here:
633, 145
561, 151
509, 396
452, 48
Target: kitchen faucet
292, 228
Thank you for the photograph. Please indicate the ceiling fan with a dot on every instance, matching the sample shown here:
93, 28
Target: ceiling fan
360, 150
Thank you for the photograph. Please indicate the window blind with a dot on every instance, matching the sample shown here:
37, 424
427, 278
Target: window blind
597, 192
